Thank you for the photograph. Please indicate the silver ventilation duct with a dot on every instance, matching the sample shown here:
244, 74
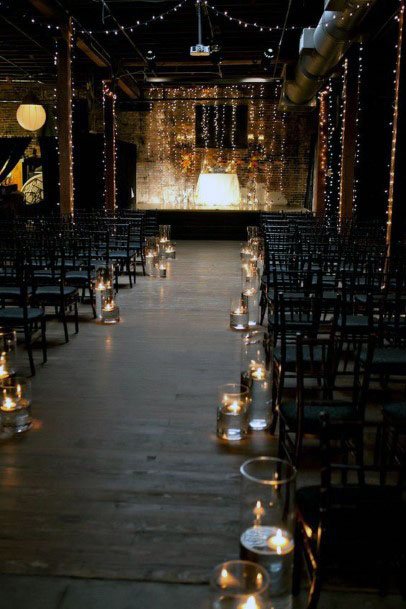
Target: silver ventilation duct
322, 48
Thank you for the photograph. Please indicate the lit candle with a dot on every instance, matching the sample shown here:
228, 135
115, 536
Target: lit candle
258, 511
227, 580
234, 407
258, 372
8, 404
3, 366
278, 542
162, 270
250, 603
109, 306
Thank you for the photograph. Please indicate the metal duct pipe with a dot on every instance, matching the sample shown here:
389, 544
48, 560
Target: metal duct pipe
323, 47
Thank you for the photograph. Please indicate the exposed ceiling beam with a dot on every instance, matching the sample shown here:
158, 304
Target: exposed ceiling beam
198, 63
48, 9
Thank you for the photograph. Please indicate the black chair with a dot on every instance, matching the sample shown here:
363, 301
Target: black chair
301, 417
352, 522
21, 315
51, 291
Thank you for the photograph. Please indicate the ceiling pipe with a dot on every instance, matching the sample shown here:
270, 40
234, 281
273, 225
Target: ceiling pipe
322, 48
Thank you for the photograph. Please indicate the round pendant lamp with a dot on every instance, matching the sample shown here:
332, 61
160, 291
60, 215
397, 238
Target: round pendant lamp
30, 114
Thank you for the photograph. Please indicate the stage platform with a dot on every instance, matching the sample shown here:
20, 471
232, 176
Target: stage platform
213, 224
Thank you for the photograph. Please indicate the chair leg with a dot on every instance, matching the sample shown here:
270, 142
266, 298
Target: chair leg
129, 272
143, 261
44, 341
315, 590
91, 294
28, 345
65, 324
297, 562
75, 306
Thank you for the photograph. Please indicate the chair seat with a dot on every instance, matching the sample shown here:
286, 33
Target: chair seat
118, 254
389, 360
11, 292
16, 314
315, 356
78, 276
355, 323
396, 411
54, 291
312, 411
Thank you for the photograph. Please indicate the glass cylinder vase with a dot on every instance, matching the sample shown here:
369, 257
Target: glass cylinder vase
8, 350
255, 374
250, 290
239, 584
268, 521
233, 412
164, 233
15, 404
110, 313
239, 312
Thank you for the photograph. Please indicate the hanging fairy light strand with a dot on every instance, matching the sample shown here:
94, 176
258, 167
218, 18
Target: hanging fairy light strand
355, 190
343, 118
392, 165
250, 24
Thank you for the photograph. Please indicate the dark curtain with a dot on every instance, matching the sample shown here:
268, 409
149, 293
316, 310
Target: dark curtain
50, 170
89, 171
126, 174
11, 151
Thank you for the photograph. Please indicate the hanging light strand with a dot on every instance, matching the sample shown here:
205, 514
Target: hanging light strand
392, 166
250, 24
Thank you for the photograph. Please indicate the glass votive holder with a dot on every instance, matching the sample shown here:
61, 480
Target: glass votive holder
239, 584
15, 404
8, 351
245, 253
151, 261
250, 290
239, 313
233, 412
110, 310
103, 282
258, 380
164, 233
252, 232
162, 269
170, 252
268, 522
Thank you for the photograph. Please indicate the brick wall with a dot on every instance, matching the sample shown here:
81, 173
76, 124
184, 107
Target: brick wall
272, 170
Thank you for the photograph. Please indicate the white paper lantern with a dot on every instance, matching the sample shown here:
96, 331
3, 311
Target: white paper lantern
30, 114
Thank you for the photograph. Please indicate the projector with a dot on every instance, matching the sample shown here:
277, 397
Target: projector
200, 50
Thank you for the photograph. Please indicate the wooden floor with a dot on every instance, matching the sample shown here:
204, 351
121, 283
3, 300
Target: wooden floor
122, 477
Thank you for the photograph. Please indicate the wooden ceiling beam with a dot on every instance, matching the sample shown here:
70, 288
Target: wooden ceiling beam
52, 12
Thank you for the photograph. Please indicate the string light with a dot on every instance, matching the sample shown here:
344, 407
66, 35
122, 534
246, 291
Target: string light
343, 118
323, 146
250, 24
392, 165
109, 170
355, 190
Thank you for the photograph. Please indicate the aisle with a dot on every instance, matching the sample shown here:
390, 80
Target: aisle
123, 477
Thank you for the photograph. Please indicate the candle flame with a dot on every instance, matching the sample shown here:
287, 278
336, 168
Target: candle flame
8, 403
250, 604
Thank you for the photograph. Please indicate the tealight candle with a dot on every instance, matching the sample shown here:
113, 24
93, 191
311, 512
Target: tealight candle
15, 405
4, 373
280, 542
232, 413
239, 584
239, 313
162, 270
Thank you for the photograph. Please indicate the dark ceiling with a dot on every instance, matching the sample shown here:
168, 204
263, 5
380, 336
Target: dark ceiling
27, 48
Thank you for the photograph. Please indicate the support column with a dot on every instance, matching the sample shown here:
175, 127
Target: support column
349, 141
109, 116
64, 119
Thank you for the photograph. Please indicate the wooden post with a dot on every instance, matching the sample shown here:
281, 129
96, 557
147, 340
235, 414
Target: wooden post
319, 198
349, 142
109, 115
64, 119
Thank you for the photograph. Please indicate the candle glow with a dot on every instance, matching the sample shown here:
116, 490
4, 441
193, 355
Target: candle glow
278, 542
